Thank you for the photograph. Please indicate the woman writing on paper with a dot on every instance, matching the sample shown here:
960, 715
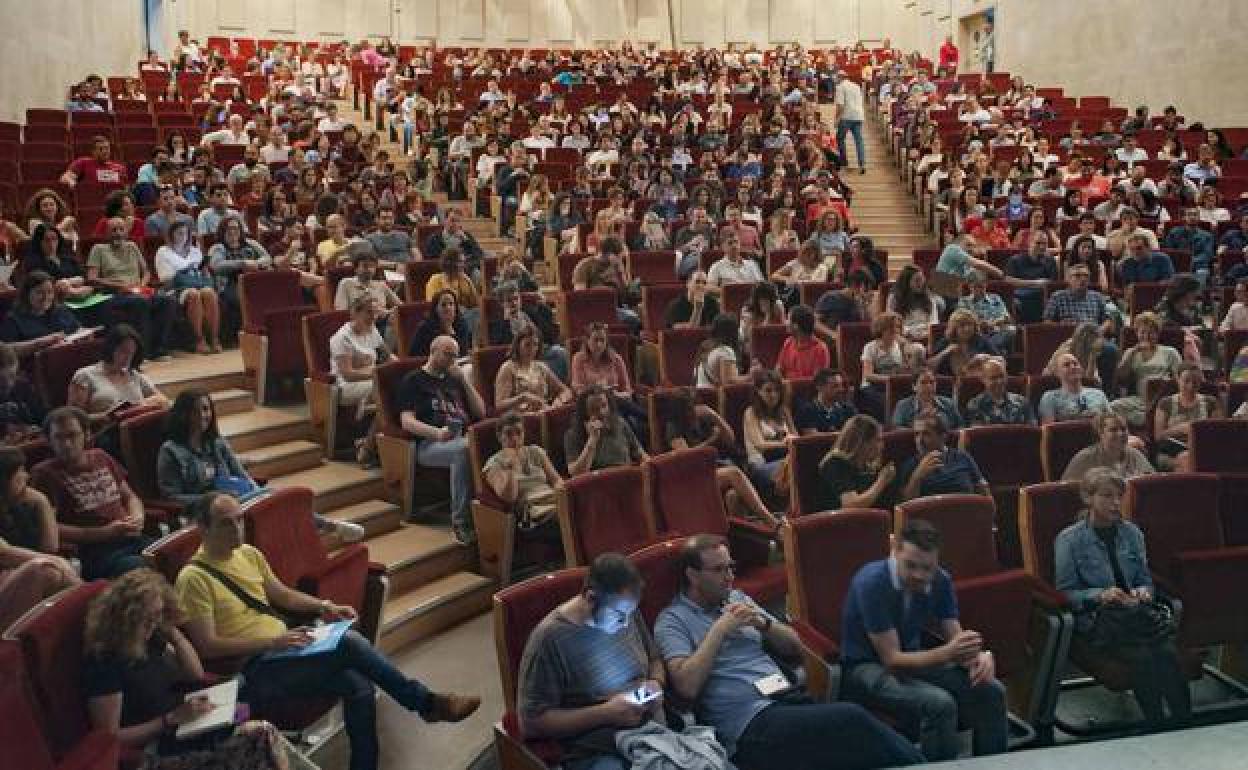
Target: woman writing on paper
136, 659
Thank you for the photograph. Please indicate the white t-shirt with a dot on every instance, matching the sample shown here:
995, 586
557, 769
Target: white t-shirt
169, 262
361, 348
725, 272
849, 101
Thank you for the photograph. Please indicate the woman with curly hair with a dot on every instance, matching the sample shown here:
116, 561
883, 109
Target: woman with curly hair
135, 661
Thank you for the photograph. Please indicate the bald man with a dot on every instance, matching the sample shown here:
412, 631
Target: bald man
436, 404
117, 266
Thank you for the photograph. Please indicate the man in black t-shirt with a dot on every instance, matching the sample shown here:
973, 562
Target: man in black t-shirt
516, 313
436, 403
848, 305
831, 407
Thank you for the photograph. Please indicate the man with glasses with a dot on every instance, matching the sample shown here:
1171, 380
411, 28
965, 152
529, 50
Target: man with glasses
1080, 304
516, 313
711, 637
590, 669
890, 603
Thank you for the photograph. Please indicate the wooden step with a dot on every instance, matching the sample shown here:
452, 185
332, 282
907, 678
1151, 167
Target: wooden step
422, 612
376, 516
219, 371
232, 401
335, 484
281, 459
263, 426
419, 553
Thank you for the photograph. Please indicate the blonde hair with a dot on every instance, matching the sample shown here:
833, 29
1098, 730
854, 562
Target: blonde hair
1147, 318
959, 316
855, 435
116, 616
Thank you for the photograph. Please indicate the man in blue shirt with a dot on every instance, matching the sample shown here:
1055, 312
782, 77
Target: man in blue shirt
936, 469
890, 603
711, 637
1190, 236
1143, 265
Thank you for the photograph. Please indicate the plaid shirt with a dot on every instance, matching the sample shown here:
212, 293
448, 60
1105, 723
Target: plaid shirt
1065, 305
1012, 410
989, 309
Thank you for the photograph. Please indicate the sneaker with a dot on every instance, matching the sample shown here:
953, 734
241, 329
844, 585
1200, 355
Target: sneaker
348, 531
862, 169
463, 535
449, 707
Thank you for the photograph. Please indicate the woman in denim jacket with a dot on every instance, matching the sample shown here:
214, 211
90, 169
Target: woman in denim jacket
195, 458
1101, 561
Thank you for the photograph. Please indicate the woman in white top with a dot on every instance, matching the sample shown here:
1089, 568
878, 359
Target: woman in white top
180, 268
717, 359
1211, 210
767, 425
918, 308
354, 352
114, 382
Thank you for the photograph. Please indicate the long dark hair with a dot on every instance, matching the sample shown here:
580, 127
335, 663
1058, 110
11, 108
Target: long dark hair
761, 378
33, 280
115, 337
906, 298
11, 460
34, 247
185, 410
582, 409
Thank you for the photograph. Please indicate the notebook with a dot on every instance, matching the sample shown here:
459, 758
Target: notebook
224, 698
325, 638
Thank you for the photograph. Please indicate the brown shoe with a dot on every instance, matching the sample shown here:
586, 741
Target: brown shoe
449, 707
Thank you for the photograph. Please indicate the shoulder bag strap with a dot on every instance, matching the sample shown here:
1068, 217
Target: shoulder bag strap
252, 602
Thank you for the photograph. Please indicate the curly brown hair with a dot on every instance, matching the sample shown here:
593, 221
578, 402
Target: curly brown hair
117, 616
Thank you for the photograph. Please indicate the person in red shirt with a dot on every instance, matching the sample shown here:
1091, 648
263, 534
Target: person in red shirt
99, 169
95, 507
120, 205
803, 353
949, 56
992, 232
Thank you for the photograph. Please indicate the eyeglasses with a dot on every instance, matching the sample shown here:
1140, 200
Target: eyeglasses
722, 569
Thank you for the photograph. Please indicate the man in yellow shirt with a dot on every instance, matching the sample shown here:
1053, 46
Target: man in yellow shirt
333, 248
234, 606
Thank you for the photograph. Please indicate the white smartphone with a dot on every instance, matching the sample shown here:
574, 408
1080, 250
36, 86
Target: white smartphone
772, 685
642, 696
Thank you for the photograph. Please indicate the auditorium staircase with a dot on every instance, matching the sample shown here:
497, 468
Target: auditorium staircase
882, 209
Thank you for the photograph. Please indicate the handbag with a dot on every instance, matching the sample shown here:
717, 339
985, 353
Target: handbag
190, 278
1139, 625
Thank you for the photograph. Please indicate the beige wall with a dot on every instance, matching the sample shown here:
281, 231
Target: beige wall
52, 43
1154, 52
547, 22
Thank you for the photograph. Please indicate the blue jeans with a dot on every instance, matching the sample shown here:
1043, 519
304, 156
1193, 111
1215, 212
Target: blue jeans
113, 558
152, 317
820, 736
452, 454
938, 698
762, 474
854, 127
350, 672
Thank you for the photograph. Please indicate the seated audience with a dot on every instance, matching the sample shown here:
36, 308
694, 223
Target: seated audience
694, 425
763, 306
522, 475
917, 306
831, 407
22, 408
29, 569
1079, 304
232, 255
1146, 360
888, 665
847, 305
803, 353
1102, 567
355, 351
1112, 450
195, 458
97, 170
180, 270
108, 388
851, 474
524, 383
120, 205
1071, 400
118, 266
990, 313
1175, 414
1236, 318
49, 251
599, 437
807, 266
718, 362
454, 234
393, 246
436, 403
219, 626
767, 425
996, 405
696, 307
95, 508
444, 319
37, 320
963, 349
925, 401
1191, 237
136, 664
1030, 272
1143, 263
733, 266
515, 314
563, 694
711, 638
454, 279
937, 469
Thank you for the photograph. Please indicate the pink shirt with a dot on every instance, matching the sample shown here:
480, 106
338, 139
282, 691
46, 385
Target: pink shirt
613, 373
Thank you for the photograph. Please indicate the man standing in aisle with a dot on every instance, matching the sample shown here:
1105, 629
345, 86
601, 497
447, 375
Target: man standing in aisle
849, 116
949, 57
